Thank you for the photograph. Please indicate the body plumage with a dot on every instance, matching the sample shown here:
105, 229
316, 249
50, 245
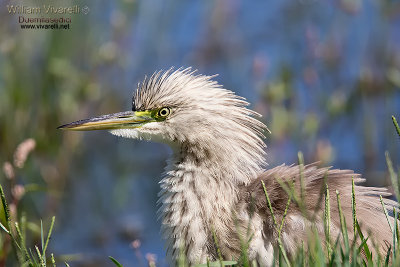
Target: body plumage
211, 190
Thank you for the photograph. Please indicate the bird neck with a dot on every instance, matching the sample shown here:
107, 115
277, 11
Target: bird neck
198, 194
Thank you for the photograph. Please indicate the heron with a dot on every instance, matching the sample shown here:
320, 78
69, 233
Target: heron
212, 192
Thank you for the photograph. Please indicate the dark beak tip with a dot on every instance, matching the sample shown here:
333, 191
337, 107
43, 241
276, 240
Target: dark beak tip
63, 127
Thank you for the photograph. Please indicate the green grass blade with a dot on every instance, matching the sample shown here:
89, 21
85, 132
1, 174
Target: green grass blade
335, 260
4, 228
290, 190
396, 125
182, 256
364, 264
301, 167
23, 242
217, 246
43, 255
387, 256
327, 222
42, 261
281, 248
386, 213
53, 261
367, 252
8, 223
6, 210
342, 223
353, 207
284, 216
112, 259
53, 219
33, 258
394, 233
320, 254
393, 176
23, 225
362, 245
269, 205
397, 229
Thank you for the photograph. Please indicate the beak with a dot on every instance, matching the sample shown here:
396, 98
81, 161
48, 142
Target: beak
121, 120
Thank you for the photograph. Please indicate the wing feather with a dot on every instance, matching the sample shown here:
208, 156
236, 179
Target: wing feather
370, 213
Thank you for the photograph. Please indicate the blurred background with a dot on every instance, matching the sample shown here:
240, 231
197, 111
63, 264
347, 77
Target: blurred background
325, 75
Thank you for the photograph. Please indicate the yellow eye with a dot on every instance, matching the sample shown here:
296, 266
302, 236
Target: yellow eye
164, 112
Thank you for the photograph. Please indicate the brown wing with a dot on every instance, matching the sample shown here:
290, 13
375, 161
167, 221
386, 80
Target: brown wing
369, 209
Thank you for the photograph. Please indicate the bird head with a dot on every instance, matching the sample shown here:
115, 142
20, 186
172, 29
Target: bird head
178, 107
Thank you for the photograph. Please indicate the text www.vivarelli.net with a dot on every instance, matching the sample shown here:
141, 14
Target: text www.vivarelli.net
54, 26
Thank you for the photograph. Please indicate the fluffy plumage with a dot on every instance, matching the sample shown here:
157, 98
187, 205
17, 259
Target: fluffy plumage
213, 180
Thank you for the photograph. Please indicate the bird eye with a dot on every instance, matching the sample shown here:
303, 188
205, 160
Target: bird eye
164, 112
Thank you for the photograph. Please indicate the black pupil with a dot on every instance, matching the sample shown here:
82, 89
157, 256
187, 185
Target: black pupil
163, 112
